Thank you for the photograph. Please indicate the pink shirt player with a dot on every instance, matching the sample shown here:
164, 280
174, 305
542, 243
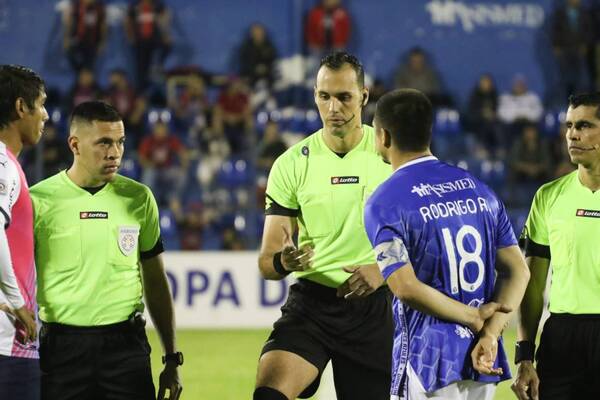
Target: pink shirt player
18, 277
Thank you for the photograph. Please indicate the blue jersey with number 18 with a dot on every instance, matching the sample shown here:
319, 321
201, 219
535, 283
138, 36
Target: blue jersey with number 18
449, 226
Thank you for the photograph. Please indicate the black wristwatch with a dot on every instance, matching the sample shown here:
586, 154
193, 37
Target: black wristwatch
177, 358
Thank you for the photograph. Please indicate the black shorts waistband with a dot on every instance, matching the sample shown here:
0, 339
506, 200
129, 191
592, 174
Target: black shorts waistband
327, 293
575, 317
54, 327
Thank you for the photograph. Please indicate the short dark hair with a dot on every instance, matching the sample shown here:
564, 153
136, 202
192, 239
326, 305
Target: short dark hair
90, 111
338, 59
17, 82
586, 99
407, 115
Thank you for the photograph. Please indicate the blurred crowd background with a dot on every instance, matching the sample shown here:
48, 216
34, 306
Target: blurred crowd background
213, 92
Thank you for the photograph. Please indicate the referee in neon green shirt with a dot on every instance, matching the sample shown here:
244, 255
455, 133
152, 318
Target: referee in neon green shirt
93, 229
563, 230
338, 310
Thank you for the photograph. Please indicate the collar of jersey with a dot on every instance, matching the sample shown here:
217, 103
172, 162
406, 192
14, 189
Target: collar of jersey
581, 186
358, 145
74, 185
416, 161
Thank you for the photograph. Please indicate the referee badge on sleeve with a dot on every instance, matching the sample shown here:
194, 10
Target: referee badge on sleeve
128, 238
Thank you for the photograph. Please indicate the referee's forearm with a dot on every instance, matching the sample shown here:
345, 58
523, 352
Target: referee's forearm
267, 270
530, 312
159, 302
532, 305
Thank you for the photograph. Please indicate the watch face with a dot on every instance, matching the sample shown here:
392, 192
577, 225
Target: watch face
175, 357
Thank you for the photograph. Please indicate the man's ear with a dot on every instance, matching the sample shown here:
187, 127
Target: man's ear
73, 142
21, 107
387, 139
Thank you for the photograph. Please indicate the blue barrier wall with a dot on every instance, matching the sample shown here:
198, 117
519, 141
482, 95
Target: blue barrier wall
464, 38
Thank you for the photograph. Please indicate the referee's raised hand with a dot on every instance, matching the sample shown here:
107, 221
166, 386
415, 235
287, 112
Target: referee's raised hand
294, 259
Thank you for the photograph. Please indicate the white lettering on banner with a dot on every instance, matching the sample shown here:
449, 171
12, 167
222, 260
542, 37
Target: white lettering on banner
222, 290
470, 16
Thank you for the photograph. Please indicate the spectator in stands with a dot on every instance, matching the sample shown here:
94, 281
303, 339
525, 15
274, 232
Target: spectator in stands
232, 240
271, 146
328, 27
257, 57
56, 156
482, 117
191, 226
529, 164
84, 32
572, 36
377, 90
559, 154
122, 95
418, 73
232, 116
165, 163
519, 107
148, 26
186, 97
594, 62
85, 89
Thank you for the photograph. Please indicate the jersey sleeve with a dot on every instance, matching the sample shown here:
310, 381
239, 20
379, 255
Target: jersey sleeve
150, 229
281, 186
388, 242
10, 186
505, 236
534, 238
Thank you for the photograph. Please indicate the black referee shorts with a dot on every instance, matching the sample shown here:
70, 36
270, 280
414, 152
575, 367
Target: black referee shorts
568, 359
109, 362
356, 335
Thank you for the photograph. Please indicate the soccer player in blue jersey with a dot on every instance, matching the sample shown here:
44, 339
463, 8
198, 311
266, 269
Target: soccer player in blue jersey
446, 249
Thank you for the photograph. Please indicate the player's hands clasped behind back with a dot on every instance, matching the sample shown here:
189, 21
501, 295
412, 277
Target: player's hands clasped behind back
526, 384
26, 317
483, 355
365, 279
294, 259
169, 379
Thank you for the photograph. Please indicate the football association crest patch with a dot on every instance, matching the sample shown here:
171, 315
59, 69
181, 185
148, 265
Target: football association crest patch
128, 238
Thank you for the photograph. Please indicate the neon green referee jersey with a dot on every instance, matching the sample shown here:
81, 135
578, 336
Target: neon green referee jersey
87, 249
564, 226
327, 193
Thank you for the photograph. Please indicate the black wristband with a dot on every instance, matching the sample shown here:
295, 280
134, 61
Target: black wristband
524, 351
278, 266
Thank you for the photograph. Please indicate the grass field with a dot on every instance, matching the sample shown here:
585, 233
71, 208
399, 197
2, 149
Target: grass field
221, 364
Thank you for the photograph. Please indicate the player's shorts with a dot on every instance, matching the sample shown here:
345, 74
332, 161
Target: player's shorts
19, 378
568, 359
104, 362
461, 390
356, 335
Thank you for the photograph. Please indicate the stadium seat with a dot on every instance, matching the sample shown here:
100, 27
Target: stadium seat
447, 133
168, 229
130, 168
312, 122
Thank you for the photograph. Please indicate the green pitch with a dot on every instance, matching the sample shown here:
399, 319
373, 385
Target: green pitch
221, 364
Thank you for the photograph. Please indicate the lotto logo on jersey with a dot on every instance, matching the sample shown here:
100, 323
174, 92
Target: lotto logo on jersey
588, 213
93, 215
342, 180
